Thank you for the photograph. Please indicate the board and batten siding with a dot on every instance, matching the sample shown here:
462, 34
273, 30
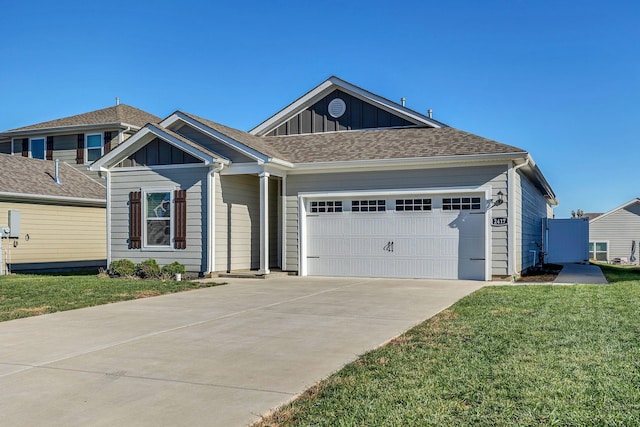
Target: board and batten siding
56, 234
530, 211
618, 229
494, 176
192, 179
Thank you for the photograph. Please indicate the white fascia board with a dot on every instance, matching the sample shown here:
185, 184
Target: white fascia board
66, 129
236, 145
606, 214
327, 86
537, 175
443, 161
78, 201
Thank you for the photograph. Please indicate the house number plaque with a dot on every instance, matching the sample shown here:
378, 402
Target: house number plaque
499, 221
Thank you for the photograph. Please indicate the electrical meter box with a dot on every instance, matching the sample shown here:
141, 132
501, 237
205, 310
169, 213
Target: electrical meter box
14, 223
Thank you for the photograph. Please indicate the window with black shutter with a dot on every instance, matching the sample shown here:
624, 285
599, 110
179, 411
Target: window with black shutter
180, 219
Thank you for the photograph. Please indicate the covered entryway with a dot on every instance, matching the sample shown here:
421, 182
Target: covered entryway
438, 236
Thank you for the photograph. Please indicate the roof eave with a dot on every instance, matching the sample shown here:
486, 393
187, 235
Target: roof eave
629, 203
79, 201
62, 129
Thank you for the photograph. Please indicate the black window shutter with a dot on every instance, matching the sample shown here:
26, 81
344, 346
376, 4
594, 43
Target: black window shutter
180, 221
49, 148
135, 220
25, 147
107, 142
80, 151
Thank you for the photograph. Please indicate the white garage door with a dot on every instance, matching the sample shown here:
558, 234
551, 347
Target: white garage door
410, 237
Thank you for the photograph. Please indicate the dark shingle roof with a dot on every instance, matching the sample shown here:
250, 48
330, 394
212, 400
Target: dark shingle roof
257, 143
121, 113
28, 176
381, 144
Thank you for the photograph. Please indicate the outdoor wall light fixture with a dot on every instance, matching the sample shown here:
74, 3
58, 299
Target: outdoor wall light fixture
500, 200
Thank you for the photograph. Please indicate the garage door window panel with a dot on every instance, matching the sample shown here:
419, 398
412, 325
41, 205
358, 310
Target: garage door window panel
409, 205
368, 206
325, 206
461, 203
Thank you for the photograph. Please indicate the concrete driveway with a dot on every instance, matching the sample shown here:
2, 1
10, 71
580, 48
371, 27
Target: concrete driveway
219, 356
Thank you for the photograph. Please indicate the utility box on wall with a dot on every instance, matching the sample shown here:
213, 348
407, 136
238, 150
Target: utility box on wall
567, 240
14, 223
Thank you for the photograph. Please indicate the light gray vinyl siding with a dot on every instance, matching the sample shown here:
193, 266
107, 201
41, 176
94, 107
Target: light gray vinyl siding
619, 229
237, 222
516, 223
211, 144
494, 176
237, 232
533, 209
192, 179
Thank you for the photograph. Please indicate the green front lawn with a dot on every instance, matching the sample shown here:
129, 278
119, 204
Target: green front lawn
31, 295
508, 355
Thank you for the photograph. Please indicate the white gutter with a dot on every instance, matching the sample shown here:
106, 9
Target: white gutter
511, 232
41, 197
211, 215
63, 129
380, 163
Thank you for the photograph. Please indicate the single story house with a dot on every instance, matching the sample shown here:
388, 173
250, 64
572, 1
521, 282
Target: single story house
615, 235
58, 220
341, 182
77, 140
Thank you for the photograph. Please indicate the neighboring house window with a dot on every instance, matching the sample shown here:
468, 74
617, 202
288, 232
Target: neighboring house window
328, 206
368, 206
461, 203
158, 217
403, 205
94, 147
157, 220
599, 251
38, 148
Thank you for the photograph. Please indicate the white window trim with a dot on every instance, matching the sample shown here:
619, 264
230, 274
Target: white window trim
44, 139
594, 242
86, 146
145, 191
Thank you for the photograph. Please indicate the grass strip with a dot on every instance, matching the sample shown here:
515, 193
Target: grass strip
503, 356
31, 295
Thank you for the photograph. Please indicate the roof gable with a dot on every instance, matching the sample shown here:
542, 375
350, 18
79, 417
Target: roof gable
120, 115
363, 109
36, 178
614, 210
149, 134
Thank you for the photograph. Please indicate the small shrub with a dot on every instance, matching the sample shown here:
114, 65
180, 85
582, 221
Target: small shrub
174, 268
148, 269
122, 268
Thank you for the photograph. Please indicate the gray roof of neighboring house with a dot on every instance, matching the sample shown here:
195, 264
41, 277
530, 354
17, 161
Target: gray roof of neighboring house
381, 144
26, 176
592, 215
118, 114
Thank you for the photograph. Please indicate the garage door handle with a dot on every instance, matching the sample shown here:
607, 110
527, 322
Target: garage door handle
477, 259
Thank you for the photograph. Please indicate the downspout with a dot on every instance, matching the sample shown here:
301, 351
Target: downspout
511, 232
108, 179
211, 215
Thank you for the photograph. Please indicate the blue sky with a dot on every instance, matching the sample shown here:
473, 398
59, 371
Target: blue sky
560, 79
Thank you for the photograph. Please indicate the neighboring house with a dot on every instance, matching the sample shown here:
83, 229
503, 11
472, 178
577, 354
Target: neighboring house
341, 182
62, 224
77, 140
614, 235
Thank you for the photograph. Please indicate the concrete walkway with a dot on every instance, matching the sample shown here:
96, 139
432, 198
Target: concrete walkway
581, 273
213, 357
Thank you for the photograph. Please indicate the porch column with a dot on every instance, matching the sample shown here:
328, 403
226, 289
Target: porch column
264, 223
